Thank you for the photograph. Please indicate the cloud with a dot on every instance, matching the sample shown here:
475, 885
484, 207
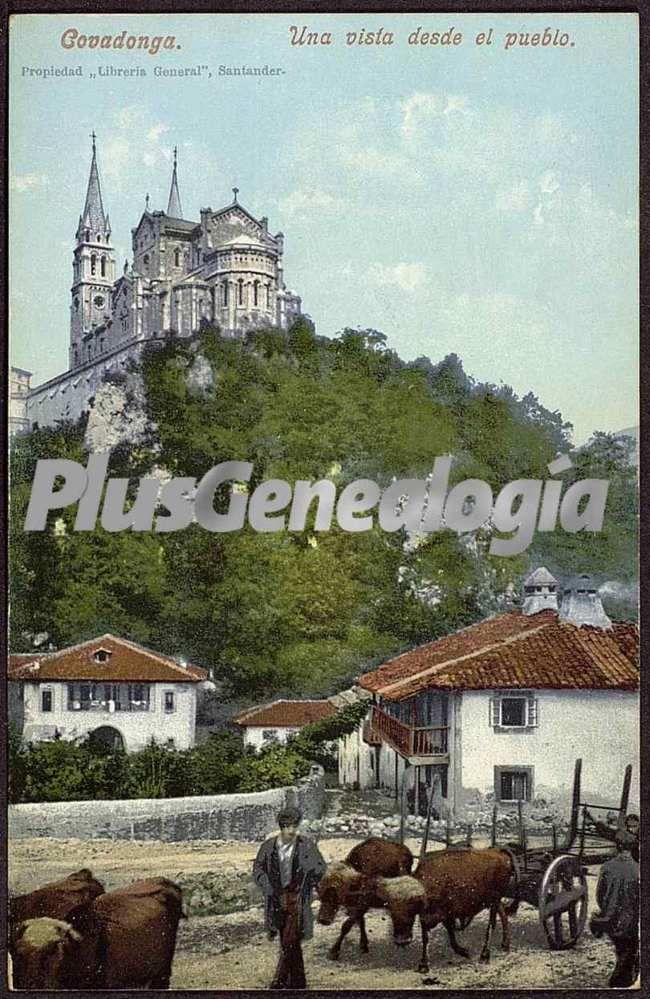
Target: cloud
130, 117
416, 109
156, 131
302, 204
137, 157
454, 103
408, 277
29, 182
513, 199
548, 182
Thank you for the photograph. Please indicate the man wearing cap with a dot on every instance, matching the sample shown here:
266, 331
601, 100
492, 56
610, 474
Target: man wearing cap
287, 868
618, 900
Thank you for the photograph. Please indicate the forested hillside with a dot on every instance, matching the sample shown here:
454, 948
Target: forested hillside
303, 613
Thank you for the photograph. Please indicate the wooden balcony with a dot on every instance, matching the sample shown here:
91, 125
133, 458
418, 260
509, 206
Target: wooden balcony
370, 734
411, 741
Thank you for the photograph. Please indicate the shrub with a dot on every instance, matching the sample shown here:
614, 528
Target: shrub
67, 770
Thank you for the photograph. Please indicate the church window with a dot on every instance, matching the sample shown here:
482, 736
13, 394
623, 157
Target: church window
93, 264
76, 304
240, 292
224, 293
99, 238
145, 261
99, 301
177, 258
268, 296
87, 234
103, 266
255, 292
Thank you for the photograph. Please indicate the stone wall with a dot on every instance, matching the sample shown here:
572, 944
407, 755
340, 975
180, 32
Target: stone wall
224, 816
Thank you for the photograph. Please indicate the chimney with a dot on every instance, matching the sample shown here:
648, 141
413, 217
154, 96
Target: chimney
540, 592
581, 604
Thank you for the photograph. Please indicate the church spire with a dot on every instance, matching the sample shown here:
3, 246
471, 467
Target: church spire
93, 217
174, 206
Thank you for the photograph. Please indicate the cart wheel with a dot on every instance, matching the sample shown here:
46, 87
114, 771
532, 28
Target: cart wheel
562, 903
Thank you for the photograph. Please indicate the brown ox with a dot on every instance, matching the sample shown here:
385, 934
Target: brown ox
451, 886
56, 899
123, 939
351, 884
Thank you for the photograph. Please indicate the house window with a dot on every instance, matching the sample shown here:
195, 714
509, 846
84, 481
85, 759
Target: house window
513, 783
169, 701
269, 735
108, 697
138, 697
101, 655
170, 744
513, 711
47, 700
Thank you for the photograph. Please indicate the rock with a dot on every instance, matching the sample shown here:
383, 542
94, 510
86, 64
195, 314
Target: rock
117, 415
199, 377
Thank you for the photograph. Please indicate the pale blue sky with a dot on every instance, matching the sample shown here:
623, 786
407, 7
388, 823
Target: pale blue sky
465, 199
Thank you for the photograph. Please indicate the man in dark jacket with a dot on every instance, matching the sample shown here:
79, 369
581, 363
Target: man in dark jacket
287, 868
618, 900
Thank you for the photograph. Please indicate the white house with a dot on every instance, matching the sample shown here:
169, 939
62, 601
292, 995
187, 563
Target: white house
277, 720
507, 705
119, 693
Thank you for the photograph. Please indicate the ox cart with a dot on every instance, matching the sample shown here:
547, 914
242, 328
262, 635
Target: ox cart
553, 878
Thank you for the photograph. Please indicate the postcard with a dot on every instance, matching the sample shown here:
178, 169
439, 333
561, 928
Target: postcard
323, 555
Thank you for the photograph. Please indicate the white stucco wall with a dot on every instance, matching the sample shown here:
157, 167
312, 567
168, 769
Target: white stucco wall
254, 734
355, 761
137, 728
601, 727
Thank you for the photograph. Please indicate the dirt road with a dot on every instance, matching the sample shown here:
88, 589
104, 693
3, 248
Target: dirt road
231, 951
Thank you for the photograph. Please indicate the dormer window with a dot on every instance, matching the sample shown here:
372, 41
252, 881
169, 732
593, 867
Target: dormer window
101, 655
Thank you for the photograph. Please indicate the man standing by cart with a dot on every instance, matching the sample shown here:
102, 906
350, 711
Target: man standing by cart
287, 868
618, 900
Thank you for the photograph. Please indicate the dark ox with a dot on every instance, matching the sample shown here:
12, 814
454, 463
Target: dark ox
451, 887
57, 899
350, 884
123, 939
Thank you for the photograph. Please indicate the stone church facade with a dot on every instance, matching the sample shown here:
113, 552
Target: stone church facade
226, 269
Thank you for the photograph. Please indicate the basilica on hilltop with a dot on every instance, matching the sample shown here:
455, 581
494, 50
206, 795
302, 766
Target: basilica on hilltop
225, 269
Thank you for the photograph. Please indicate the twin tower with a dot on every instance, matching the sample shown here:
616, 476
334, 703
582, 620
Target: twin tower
224, 269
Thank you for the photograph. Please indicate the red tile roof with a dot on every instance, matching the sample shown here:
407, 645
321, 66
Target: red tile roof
292, 714
126, 661
515, 650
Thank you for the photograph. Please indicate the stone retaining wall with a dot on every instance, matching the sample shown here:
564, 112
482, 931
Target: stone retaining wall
222, 816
